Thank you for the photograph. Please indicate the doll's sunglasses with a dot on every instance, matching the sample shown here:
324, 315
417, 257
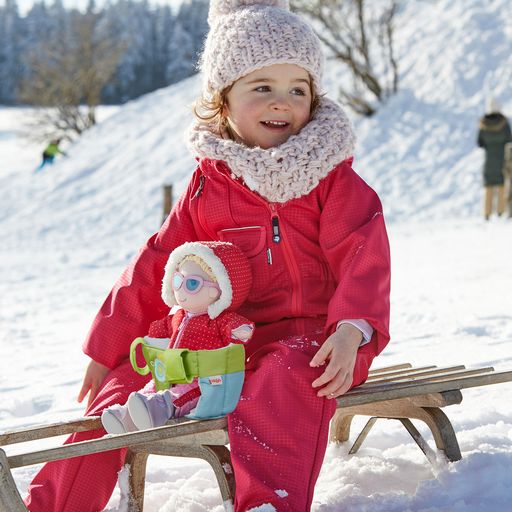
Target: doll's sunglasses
193, 284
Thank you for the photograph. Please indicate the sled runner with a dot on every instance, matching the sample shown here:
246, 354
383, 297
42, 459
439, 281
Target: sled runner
398, 392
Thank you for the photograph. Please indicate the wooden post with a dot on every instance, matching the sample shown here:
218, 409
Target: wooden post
167, 189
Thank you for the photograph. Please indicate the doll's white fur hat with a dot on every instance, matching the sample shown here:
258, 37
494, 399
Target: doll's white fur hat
246, 35
228, 263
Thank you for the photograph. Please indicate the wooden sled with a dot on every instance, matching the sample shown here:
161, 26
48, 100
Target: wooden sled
398, 392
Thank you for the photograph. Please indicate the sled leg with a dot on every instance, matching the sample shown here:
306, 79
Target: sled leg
220, 461
217, 456
136, 480
362, 436
10, 499
340, 427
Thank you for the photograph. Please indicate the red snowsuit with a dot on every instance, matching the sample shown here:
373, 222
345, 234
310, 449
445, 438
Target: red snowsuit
315, 260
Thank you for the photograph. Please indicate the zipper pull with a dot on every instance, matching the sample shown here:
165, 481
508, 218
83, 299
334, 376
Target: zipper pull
200, 188
276, 234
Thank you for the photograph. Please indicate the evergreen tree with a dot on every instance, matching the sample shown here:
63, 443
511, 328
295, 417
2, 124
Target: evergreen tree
182, 56
10, 51
193, 18
152, 46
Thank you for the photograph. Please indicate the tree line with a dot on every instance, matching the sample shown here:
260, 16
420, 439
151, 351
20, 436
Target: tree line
106, 55
68, 62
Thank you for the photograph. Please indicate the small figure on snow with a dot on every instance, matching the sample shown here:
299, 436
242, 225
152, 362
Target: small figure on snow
207, 281
50, 153
493, 134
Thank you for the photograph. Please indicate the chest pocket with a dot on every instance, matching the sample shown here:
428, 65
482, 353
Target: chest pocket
249, 239
252, 240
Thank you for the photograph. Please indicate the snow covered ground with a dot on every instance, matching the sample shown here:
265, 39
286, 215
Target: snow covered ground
66, 234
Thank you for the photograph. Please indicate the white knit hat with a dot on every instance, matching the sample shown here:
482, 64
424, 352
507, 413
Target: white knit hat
246, 35
492, 105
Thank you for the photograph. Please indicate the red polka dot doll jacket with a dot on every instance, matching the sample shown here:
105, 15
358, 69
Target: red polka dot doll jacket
198, 332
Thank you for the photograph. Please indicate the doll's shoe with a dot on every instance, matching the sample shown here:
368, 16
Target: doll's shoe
116, 420
148, 411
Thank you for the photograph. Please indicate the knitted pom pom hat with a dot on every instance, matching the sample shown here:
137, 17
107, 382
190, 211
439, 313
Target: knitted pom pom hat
246, 35
230, 266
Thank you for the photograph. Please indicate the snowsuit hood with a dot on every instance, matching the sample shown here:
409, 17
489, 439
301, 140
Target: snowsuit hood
493, 122
229, 265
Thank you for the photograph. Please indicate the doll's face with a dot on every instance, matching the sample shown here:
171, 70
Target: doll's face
194, 295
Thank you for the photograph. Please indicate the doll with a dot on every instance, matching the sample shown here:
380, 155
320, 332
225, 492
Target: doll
207, 281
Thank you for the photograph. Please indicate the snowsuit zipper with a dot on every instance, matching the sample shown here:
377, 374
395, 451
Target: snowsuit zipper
291, 262
276, 234
278, 237
199, 190
200, 208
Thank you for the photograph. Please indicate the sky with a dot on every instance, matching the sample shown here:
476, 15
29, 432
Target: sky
68, 232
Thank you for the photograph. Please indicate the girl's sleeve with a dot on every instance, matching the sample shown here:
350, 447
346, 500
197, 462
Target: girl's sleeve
354, 240
135, 301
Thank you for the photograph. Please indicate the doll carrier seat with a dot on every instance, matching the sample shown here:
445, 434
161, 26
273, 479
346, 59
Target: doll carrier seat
219, 372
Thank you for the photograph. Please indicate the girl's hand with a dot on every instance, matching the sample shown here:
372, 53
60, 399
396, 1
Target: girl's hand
340, 350
93, 378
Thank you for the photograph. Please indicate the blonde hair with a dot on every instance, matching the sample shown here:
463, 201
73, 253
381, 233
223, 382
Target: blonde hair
210, 108
199, 261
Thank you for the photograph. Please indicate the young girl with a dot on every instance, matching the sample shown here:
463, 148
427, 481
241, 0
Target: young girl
274, 177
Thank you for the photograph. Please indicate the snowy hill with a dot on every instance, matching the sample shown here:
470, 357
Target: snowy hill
418, 152
67, 233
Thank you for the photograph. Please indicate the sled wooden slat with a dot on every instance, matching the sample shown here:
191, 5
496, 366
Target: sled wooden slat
432, 376
400, 392
190, 431
398, 371
386, 369
412, 373
392, 391
22, 435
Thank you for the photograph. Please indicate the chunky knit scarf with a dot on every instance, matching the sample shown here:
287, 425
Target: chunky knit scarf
290, 170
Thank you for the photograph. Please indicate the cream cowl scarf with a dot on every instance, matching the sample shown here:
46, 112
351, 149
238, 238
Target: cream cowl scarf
290, 170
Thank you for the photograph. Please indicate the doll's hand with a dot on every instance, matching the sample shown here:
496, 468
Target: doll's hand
340, 350
93, 378
242, 333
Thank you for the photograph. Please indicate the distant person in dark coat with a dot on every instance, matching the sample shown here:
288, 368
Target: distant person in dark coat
50, 153
493, 134
508, 175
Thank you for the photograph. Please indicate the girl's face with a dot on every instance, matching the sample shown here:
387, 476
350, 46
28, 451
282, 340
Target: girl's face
267, 106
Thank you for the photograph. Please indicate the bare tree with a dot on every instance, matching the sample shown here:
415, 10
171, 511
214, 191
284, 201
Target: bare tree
359, 33
66, 79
